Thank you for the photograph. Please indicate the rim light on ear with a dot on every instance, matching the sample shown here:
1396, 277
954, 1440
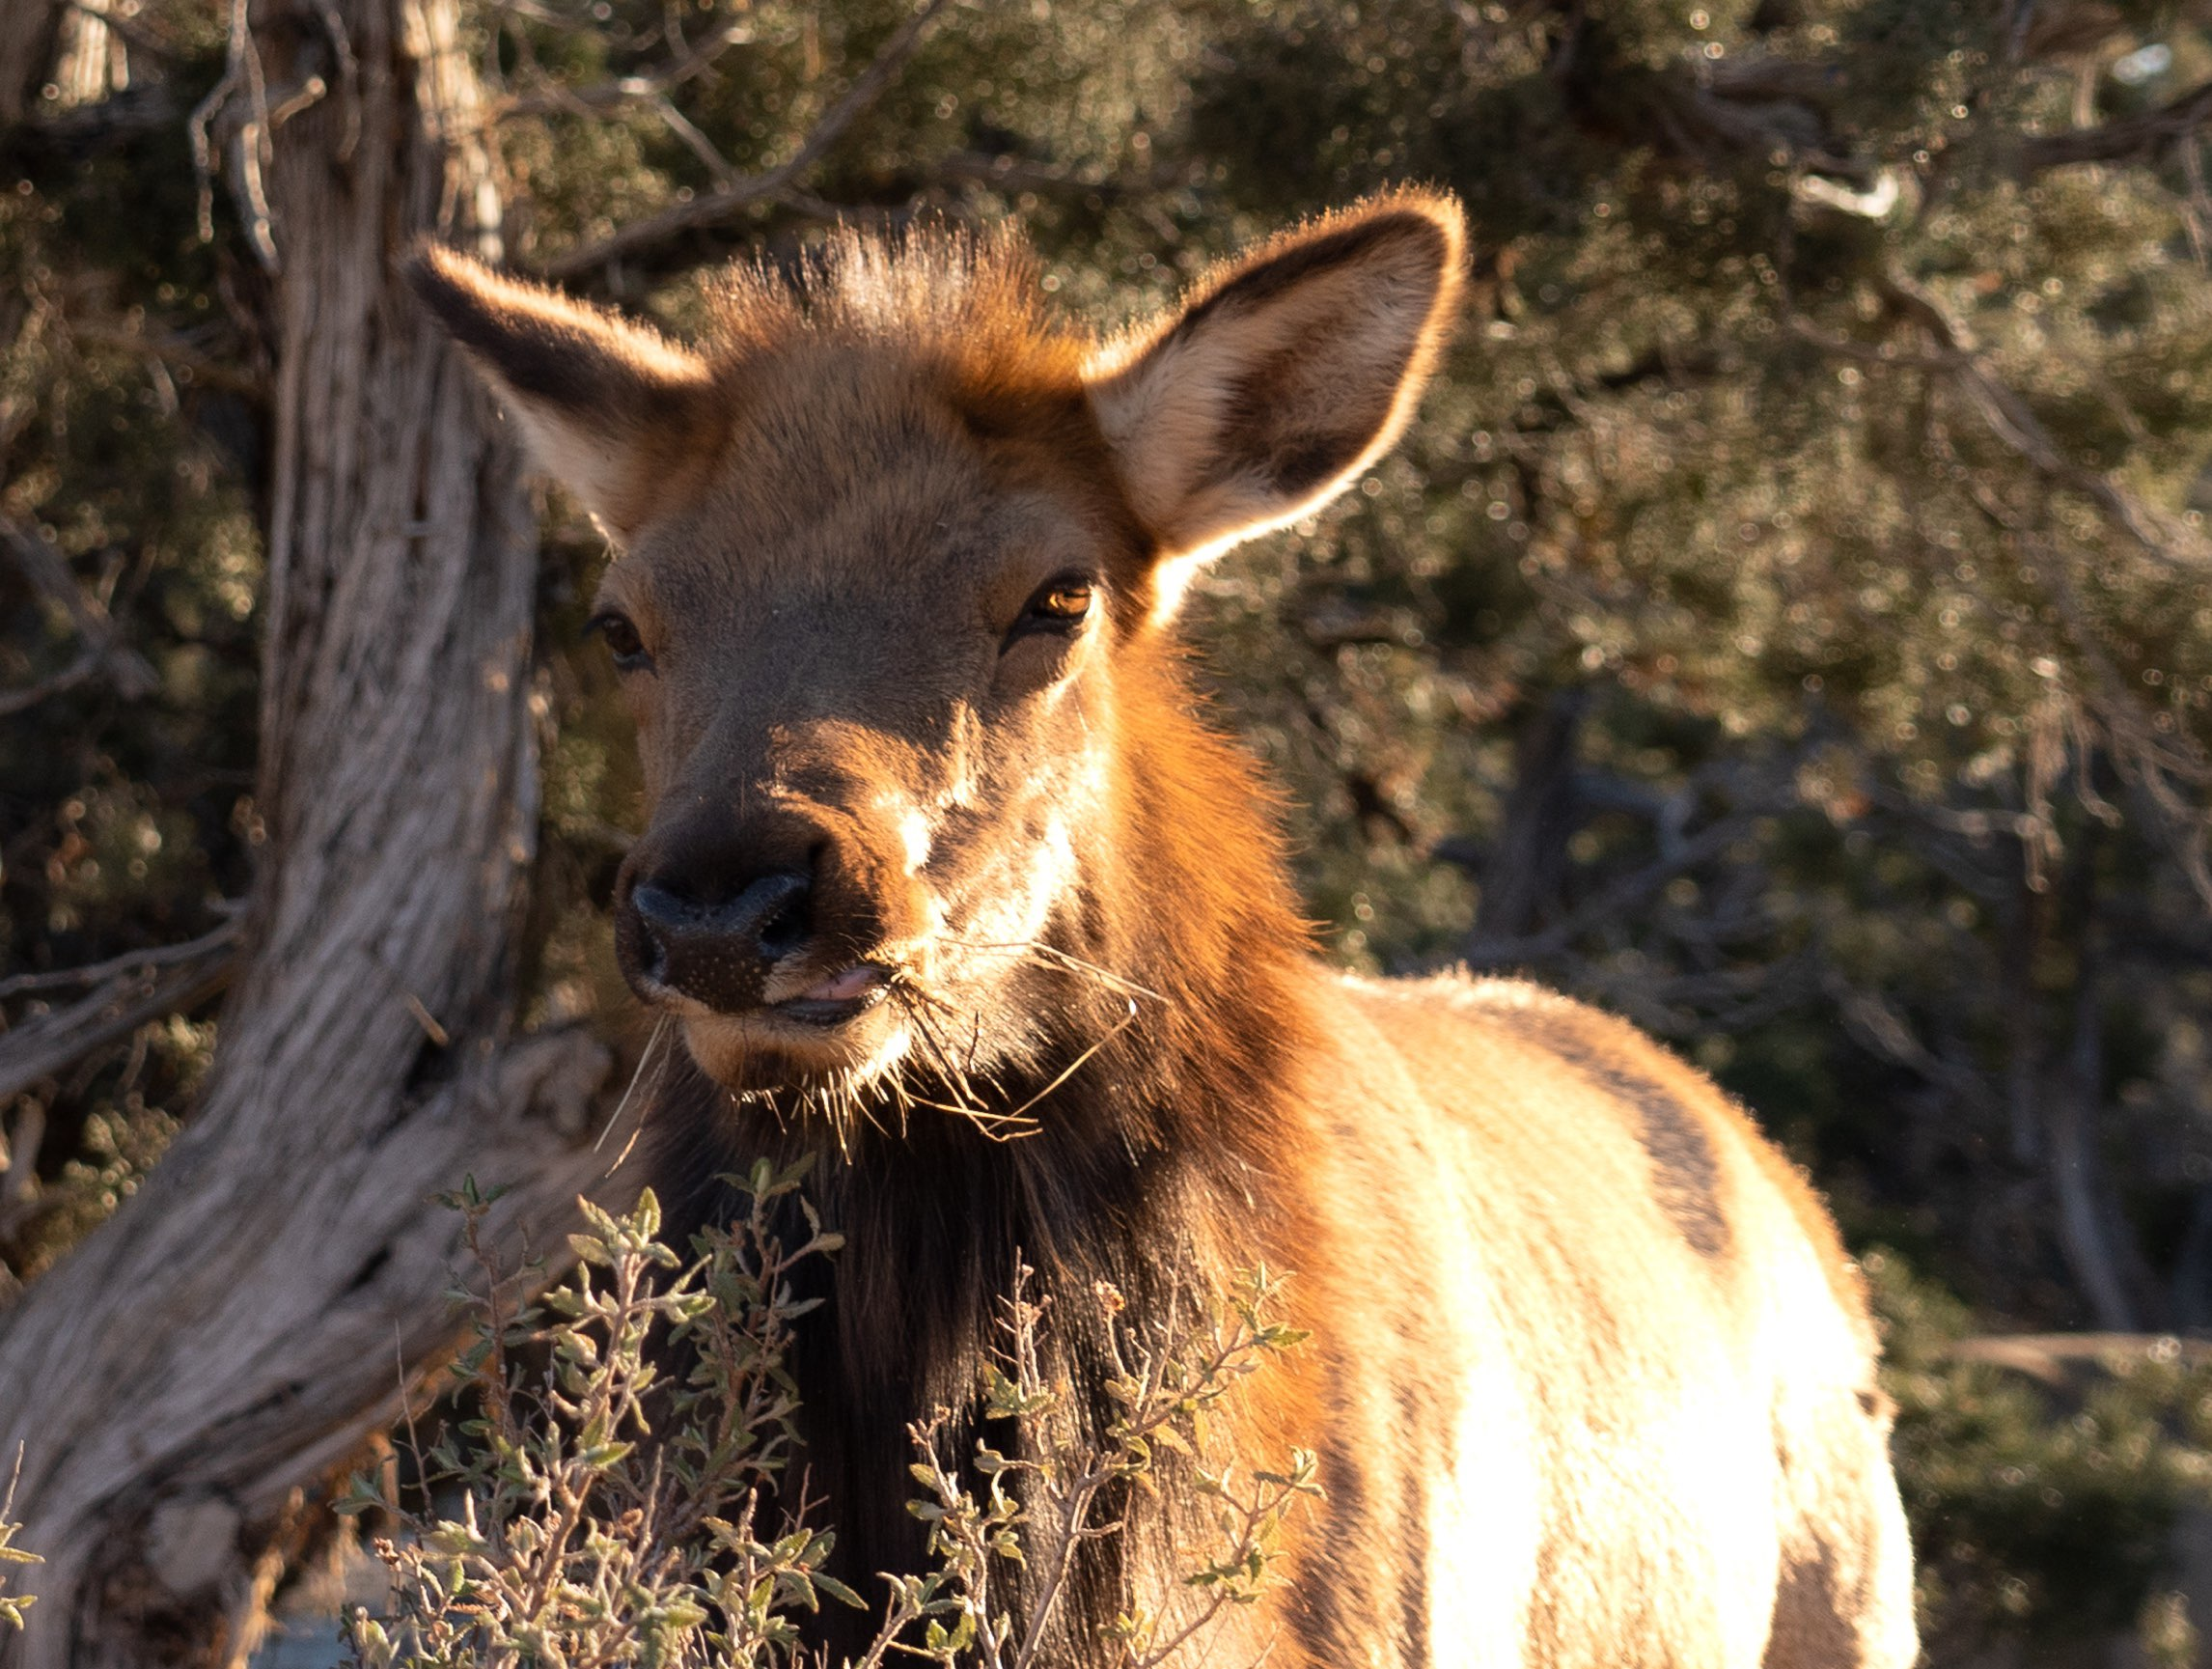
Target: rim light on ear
1286, 374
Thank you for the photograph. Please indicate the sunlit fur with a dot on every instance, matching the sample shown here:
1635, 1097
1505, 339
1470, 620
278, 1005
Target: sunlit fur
1590, 1380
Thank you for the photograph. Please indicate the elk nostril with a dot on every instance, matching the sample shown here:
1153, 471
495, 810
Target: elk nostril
660, 915
784, 928
656, 905
718, 953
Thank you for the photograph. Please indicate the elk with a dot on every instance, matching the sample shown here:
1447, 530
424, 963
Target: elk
931, 794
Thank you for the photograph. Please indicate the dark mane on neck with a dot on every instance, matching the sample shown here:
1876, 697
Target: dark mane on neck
1153, 1166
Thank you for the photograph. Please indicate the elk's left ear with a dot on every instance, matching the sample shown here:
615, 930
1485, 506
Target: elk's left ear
613, 410
1288, 373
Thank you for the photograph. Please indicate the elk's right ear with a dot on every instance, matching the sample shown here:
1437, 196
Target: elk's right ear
609, 405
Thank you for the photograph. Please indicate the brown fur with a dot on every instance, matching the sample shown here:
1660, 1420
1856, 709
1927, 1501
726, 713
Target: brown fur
1591, 1380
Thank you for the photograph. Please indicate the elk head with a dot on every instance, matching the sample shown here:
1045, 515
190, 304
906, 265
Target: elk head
897, 558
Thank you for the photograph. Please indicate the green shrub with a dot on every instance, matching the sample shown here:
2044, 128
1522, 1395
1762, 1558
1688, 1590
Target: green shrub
13, 1605
583, 1536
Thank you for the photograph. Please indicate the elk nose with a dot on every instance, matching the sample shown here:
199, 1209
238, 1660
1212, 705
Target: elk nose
719, 952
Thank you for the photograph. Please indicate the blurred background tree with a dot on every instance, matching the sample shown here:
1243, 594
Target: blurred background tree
1787, 625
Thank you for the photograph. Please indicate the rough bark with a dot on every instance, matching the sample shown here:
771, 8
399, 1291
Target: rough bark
247, 1318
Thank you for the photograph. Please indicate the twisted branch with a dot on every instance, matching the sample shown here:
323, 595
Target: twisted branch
740, 192
2124, 139
105, 653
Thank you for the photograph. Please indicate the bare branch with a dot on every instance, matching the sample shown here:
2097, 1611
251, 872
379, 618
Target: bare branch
2093, 1238
697, 142
52, 1043
2195, 204
1732, 999
1876, 1027
2051, 1357
348, 74
2008, 417
203, 146
553, 98
1617, 899
105, 650
134, 961
78, 672
242, 70
725, 201
133, 33
830, 213
2124, 139
169, 351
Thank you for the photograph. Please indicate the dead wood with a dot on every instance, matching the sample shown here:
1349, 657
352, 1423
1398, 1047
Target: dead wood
2124, 138
2067, 1361
244, 1322
28, 30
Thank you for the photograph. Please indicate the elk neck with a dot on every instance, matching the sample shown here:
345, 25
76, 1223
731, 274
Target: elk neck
1163, 1164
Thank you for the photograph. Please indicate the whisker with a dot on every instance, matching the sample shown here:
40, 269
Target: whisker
918, 993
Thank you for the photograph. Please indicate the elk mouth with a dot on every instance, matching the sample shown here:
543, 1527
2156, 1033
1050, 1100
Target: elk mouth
844, 995
827, 1029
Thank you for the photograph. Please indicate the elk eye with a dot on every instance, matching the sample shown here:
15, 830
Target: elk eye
1059, 604
621, 635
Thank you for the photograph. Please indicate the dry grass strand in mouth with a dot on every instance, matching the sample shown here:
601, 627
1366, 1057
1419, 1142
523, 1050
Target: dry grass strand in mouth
958, 1077
848, 1100
654, 1058
1077, 1064
918, 1000
1007, 1126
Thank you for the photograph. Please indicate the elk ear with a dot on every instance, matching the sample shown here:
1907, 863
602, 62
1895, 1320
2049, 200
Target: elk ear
611, 407
1286, 374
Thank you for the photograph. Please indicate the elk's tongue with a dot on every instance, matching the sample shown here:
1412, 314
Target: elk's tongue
853, 982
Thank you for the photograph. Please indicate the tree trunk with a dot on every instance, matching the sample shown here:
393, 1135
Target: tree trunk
244, 1321
29, 32
1522, 879
2094, 1232
2086, 1225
